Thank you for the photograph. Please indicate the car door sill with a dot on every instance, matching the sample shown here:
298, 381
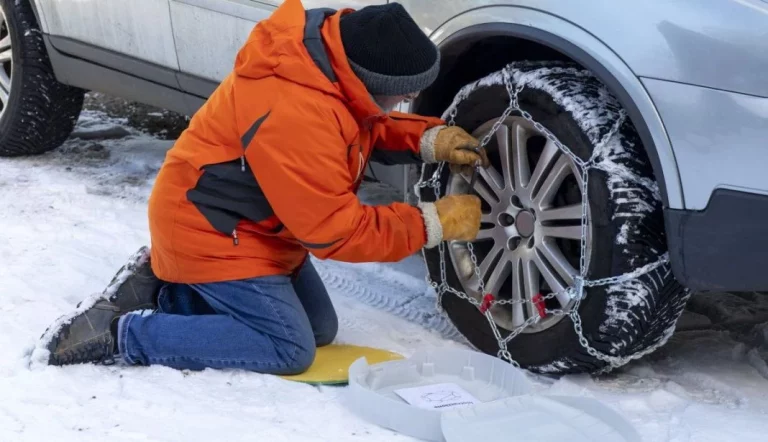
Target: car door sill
83, 65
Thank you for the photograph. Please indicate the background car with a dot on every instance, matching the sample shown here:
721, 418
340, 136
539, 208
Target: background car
674, 94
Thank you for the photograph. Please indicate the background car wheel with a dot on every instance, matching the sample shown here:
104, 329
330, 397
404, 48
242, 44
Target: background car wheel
530, 236
37, 113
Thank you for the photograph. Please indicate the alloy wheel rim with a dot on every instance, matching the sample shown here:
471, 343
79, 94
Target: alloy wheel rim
529, 242
6, 63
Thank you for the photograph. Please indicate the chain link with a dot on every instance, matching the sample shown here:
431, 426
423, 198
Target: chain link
472, 256
577, 292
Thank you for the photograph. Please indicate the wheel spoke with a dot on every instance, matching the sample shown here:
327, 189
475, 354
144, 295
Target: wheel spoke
486, 194
485, 234
545, 163
552, 281
487, 218
5, 88
498, 276
566, 213
5, 43
502, 138
485, 188
565, 232
518, 293
531, 283
492, 177
552, 182
5, 55
550, 254
520, 156
487, 264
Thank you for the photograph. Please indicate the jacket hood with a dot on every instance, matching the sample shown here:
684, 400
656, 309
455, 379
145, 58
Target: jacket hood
304, 47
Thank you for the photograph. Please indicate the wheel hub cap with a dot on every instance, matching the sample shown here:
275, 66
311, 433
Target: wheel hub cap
525, 223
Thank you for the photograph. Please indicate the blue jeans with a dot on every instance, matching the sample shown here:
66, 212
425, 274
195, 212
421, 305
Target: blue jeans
269, 324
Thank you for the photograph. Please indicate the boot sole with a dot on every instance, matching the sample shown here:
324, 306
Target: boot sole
82, 354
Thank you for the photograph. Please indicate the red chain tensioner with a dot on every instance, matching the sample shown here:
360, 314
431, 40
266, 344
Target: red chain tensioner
538, 301
486, 304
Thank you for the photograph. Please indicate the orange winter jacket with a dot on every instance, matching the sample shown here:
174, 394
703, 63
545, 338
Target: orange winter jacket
269, 167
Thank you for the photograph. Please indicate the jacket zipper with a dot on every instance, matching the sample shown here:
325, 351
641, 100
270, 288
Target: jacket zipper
235, 239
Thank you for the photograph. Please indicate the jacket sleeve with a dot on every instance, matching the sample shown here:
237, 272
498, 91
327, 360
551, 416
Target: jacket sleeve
405, 138
299, 158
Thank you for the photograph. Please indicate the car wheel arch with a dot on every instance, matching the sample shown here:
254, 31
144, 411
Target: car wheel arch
38, 11
574, 43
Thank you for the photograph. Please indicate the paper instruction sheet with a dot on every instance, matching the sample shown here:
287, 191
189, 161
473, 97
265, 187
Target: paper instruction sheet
437, 396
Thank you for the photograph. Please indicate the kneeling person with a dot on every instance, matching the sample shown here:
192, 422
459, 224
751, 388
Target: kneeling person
267, 173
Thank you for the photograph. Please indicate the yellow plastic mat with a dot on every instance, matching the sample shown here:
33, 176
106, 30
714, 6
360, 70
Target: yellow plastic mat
331, 365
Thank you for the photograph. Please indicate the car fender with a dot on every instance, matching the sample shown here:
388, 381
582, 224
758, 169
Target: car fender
592, 53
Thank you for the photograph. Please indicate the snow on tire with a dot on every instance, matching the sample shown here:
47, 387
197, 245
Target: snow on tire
538, 248
39, 113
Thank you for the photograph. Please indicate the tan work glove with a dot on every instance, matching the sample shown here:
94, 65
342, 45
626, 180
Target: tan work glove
453, 145
452, 218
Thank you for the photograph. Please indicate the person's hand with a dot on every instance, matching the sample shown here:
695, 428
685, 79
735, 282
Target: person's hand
459, 216
457, 147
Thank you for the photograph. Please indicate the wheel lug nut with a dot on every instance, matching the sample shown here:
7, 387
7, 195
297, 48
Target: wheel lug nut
506, 220
513, 243
516, 202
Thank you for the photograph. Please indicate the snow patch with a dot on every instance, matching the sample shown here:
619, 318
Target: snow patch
61, 242
555, 367
757, 362
395, 292
622, 237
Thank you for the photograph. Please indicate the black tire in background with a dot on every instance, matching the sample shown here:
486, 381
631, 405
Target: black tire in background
41, 112
627, 224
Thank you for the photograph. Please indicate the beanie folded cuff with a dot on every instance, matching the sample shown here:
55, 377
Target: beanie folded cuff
381, 84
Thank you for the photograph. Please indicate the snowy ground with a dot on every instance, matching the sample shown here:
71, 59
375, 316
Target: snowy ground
70, 219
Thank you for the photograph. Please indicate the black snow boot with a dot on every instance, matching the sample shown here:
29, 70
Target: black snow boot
90, 335
88, 338
135, 286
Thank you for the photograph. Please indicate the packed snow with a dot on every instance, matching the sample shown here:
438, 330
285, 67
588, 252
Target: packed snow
72, 217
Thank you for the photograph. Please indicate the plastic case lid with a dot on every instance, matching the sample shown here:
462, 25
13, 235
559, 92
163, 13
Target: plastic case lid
537, 419
506, 409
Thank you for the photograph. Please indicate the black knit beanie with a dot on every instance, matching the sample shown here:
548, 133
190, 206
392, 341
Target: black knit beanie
388, 51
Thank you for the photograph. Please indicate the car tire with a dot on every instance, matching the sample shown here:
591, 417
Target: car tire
626, 226
39, 113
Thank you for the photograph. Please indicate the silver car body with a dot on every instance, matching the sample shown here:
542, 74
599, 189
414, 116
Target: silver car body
694, 73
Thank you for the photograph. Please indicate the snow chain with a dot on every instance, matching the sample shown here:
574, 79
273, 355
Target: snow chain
577, 291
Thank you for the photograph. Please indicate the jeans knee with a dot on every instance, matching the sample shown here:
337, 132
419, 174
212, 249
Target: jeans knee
302, 359
327, 332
